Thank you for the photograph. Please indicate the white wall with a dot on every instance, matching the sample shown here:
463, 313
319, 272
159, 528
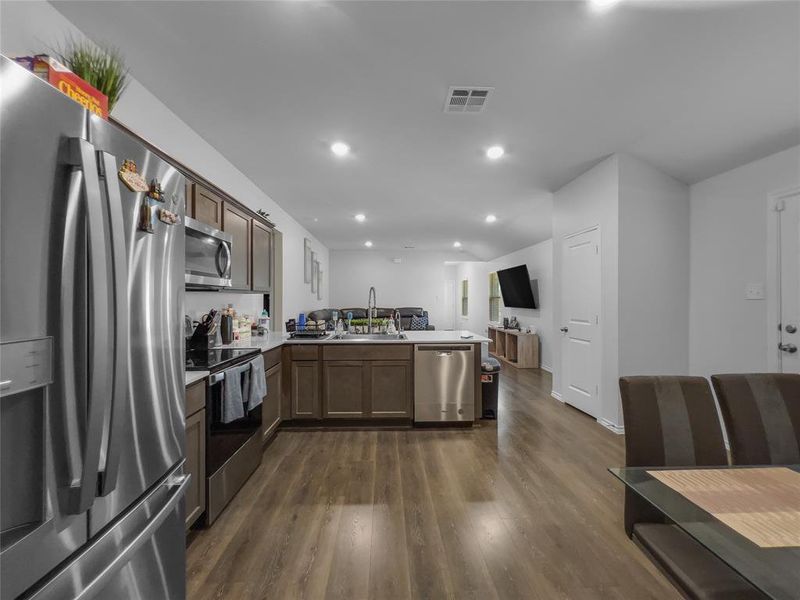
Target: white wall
539, 260
643, 217
34, 27
653, 271
418, 280
729, 250
591, 200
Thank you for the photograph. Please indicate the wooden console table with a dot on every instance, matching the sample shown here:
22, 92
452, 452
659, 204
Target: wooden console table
514, 347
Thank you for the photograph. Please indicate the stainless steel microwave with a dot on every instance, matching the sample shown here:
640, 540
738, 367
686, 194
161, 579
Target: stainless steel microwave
208, 256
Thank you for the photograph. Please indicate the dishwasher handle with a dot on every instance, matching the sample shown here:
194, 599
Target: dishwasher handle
444, 350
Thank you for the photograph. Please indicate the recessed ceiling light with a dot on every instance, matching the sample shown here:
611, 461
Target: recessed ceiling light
495, 152
491, 218
368, 244
603, 4
340, 149
361, 218
456, 244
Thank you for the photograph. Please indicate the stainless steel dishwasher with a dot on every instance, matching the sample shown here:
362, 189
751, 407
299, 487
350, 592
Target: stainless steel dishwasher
444, 383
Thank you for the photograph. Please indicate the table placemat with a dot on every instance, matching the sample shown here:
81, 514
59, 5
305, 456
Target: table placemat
762, 503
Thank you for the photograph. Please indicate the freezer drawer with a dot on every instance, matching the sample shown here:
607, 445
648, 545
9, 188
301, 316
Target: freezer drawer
142, 557
444, 383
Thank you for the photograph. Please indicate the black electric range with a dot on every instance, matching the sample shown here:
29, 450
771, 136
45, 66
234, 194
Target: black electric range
217, 359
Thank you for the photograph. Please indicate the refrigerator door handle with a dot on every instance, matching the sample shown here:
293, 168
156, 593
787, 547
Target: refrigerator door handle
84, 489
121, 371
72, 419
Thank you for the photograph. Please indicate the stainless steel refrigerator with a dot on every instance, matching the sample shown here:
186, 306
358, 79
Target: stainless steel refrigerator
91, 356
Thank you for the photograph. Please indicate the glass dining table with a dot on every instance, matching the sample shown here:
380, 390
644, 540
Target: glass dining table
773, 571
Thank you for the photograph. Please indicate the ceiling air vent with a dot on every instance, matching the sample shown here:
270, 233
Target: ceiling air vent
464, 99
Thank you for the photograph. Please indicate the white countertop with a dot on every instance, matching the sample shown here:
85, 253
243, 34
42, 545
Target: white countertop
192, 376
412, 337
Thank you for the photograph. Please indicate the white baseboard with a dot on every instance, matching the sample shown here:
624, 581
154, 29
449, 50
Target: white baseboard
547, 368
556, 395
618, 429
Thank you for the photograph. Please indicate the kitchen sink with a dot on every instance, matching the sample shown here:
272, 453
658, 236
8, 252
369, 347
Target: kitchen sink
369, 336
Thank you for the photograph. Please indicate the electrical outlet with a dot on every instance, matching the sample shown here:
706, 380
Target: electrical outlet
754, 291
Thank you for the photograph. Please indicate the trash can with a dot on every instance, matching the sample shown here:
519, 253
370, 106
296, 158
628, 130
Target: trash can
490, 380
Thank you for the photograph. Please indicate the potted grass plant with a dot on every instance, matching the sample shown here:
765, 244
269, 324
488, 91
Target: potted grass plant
100, 66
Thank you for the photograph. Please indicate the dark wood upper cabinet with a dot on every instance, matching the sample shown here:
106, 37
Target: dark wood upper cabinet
237, 223
253, 246
206, 206
262, 257
390, 389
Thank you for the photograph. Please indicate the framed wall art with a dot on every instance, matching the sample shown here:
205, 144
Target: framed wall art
307, 260
314, 276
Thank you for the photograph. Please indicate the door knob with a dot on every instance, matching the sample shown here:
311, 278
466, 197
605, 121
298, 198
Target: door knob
790, 348
564, 329
791, 328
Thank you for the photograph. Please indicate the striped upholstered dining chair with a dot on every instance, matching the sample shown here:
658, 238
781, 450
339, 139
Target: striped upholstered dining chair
673, 422
762, 416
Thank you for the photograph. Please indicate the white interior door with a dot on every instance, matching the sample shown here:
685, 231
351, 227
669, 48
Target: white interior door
580, 311
449, 305
790, 284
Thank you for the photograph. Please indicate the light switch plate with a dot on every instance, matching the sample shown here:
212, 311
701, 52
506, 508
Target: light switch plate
754, 291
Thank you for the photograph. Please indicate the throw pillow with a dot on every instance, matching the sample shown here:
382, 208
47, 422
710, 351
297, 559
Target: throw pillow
418, 323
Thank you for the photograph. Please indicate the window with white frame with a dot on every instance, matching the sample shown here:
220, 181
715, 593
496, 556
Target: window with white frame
495, 299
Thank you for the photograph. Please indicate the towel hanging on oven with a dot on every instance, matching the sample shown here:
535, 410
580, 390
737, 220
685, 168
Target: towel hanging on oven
258, 382
235, 392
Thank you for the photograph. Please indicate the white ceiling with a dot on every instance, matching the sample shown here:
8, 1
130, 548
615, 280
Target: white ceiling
695, 88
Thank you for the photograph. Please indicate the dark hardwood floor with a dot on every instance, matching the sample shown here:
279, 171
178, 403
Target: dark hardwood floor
521, 508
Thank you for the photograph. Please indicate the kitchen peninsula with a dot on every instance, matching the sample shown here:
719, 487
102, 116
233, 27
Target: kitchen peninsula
356, 379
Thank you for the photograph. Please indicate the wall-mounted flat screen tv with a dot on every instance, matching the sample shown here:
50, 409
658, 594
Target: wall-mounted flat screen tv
516, 287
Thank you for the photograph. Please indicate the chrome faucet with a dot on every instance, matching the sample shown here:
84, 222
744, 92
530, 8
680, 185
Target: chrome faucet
399, 321
372, 303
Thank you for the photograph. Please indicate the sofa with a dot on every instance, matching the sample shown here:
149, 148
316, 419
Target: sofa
406, 312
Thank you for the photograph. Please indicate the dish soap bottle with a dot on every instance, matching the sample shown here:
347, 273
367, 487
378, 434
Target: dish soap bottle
263, 322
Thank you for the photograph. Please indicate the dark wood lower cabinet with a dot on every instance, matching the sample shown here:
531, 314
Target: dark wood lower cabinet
366, 389
305, 390
349, 382
390, 389
195, 465
344, 385
271, 407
